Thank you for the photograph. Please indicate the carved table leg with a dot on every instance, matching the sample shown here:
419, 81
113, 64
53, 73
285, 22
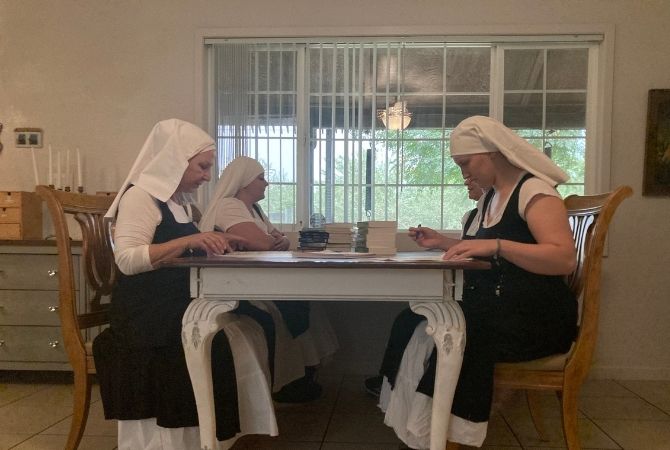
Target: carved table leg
201, 321
447, 326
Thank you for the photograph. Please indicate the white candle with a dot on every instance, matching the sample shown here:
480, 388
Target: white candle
67, 168
79, 183
50, 178
59, 173
37, 178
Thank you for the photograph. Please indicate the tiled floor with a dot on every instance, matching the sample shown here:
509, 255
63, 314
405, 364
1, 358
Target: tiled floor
35, 415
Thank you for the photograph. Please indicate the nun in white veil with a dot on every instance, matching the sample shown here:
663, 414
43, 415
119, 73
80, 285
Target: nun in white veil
519, 310
144, 382
304, 337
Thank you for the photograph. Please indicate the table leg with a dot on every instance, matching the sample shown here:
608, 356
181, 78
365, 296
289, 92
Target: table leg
447, 326
201, 321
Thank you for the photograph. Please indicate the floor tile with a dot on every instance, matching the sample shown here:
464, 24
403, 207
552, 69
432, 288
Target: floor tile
499, 433
96, 425
268, 443
656, 392
8, 441
354, 399
301, 427
30, 419
604, 388
589, 434
355, 446
360, 428
629, 408
57, 442
638, 434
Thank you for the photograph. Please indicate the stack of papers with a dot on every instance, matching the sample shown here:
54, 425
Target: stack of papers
376, 236
339, 236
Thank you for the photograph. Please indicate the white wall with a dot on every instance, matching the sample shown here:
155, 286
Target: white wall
97, 75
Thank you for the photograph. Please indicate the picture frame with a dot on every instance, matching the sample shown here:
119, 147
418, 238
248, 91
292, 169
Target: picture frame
656, 179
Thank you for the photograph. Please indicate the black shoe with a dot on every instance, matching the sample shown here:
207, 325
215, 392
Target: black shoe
373, 385
302, 390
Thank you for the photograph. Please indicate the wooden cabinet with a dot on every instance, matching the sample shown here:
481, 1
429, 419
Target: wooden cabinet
30, 335
20, 215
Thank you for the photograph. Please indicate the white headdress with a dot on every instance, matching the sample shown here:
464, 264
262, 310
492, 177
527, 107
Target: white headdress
239, 173
163, 159
480, 134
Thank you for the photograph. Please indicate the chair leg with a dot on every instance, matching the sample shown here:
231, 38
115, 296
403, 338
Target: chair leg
569, 416
80, 407
533, 400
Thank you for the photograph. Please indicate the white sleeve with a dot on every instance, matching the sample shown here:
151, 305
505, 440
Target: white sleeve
232, 211
136, 223
532, 187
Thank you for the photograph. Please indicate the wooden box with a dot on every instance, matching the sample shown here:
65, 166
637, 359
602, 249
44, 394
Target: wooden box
20, 215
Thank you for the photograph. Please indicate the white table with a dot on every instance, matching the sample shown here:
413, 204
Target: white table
429, 284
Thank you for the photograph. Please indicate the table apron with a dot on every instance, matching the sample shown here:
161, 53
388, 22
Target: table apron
323, 284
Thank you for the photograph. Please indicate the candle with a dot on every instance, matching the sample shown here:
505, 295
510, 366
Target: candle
37, 179
79, 183
50, 178
59, 173
67, 168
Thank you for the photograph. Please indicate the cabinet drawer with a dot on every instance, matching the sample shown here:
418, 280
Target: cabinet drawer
12, 198
11, 231
34, 272
35, 344
10, 215
29, 308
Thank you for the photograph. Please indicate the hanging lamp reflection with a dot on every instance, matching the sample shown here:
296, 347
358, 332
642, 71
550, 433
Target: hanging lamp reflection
395, 117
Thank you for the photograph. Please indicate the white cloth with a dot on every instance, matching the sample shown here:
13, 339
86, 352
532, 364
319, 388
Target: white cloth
481, 134
163, 159
256, 410
409, 412
239, 173
232, 211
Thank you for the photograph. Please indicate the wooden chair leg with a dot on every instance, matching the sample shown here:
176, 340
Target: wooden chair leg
569, 416
81, 404
533, 399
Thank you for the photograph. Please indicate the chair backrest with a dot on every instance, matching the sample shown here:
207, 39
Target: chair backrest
99, 269
590, 217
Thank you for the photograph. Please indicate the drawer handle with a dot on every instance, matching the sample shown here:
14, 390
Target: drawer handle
2, 343
54, 344
52, 272
53, 308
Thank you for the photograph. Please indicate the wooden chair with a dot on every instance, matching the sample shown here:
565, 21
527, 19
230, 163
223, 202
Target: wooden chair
86, 312
589, 217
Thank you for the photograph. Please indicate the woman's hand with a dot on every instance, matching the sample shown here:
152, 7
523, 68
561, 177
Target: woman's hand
281, 242
215, 242
427, 237
471, 248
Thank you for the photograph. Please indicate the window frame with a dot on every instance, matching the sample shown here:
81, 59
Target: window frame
599, 85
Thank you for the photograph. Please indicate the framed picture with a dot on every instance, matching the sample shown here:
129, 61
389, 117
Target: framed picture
656, 179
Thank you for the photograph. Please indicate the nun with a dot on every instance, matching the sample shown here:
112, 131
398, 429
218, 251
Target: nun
521, 309
144, 381
304, 338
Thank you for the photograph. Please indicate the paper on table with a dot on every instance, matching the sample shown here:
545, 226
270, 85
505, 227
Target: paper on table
252, 255
333, 255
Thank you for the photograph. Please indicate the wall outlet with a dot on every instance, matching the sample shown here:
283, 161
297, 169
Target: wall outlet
28, 137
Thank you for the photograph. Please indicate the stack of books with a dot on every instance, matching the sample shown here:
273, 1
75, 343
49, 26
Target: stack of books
312, 239
339, 237
376, 236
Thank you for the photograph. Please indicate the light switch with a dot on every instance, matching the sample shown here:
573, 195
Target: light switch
28, 137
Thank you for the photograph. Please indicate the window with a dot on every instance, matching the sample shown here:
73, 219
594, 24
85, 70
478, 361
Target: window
310, 112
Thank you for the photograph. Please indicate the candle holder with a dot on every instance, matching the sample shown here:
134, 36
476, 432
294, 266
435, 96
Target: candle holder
66, 188
80, 189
